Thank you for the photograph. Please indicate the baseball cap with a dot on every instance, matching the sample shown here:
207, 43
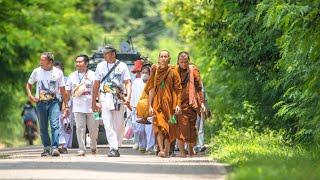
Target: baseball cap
109, 48
137, 66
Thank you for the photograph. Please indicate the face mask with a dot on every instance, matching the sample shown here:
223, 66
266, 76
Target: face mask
145, 77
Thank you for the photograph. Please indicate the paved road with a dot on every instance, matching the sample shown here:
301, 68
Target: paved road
26, 163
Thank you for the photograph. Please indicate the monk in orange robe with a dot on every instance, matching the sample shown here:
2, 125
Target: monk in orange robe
164, 90
192, 102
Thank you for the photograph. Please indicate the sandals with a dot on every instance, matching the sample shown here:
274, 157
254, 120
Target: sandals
182, 155
163, 154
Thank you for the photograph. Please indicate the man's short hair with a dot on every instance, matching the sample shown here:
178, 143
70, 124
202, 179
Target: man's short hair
85, 57
49, 55
108, 48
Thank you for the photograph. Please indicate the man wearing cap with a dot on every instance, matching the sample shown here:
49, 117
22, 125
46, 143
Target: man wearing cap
49, 81
137, 67
112, 79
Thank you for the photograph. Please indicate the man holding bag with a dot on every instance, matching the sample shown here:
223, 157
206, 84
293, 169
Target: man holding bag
112, 79
79, 86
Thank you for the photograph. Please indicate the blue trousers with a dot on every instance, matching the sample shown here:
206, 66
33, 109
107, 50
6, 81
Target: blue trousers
49, 112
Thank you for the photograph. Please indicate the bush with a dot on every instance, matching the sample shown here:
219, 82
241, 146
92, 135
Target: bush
264, 155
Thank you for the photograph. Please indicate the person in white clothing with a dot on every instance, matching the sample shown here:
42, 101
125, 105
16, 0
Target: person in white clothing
144, 132
65, 138
49, 82
112, 78
134, 99
79, 86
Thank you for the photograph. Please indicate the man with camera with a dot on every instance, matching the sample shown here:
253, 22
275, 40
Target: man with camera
112, 79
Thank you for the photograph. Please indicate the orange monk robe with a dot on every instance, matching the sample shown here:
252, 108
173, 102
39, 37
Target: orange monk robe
186, 130
167, 97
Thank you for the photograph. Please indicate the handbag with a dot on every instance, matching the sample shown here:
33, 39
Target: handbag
80, 88
143, 107
128, 132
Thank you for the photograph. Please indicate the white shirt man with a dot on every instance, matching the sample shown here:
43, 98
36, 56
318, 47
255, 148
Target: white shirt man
111, 105
49, 82
82, 102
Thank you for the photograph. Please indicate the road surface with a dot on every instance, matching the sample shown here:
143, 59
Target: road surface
26, 163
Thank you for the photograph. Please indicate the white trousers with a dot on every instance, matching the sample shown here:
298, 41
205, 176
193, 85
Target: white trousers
65, 139
82, 120
145, 135
113, 124
134, 126
200, 128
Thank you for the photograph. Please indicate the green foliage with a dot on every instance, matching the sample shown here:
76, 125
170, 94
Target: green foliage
11, 122
68, 28
138, 19
262, 60
246, 144
264, 155
28, 28
298, 65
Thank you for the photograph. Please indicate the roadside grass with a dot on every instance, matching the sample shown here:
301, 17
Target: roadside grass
4, 156
265, 155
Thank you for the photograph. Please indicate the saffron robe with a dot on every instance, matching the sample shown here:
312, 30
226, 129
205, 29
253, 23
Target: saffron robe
167, 84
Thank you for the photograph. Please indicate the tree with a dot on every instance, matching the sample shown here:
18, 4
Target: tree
262, 60
27, 28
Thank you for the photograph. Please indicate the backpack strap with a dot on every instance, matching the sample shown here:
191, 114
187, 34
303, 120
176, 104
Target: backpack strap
109, 72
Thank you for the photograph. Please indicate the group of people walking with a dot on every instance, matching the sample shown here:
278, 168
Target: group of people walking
175, 102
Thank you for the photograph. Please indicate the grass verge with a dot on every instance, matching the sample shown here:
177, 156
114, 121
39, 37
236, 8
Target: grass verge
264, 156
4, 156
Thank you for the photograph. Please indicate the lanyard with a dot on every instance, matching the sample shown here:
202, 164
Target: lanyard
80, 79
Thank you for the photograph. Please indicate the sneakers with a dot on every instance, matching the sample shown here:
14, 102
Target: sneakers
200, 149
151, 152
176, 148
81, 153
113, 153
55, 152
135, 146
63, 150
142, 150
46, 152
203, 148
